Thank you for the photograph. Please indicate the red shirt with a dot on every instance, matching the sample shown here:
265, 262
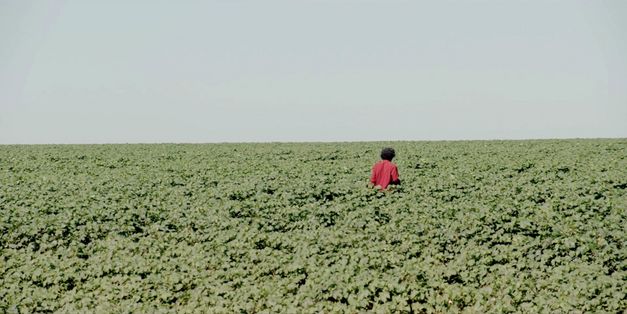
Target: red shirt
383, 172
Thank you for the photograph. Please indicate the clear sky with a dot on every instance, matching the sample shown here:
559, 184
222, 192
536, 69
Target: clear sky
93, 71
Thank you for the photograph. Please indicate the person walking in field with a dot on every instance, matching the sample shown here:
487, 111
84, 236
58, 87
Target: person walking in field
384, 172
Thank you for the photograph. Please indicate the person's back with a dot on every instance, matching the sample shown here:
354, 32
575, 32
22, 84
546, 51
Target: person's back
385, 172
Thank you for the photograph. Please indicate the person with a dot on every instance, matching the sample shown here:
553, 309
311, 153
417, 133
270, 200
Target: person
384, 172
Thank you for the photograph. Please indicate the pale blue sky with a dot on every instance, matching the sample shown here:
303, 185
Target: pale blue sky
84, 71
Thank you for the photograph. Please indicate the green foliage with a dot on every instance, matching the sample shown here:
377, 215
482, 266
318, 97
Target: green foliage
486, 226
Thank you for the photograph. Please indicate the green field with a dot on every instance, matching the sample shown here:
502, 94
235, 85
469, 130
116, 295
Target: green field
476, 226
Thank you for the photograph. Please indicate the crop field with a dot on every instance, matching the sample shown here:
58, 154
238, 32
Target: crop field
476, 226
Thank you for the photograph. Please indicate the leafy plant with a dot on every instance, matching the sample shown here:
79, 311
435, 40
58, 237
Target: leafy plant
486, 226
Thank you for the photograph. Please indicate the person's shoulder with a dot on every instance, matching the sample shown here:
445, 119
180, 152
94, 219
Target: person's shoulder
380, 163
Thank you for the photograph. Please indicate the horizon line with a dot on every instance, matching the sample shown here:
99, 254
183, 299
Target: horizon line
321, 141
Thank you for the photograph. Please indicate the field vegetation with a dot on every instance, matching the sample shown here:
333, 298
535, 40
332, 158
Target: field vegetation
479, 226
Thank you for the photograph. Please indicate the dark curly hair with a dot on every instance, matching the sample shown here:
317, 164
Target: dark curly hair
388, 153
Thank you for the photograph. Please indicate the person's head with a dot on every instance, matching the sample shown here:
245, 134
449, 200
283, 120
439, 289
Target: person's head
388, 153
